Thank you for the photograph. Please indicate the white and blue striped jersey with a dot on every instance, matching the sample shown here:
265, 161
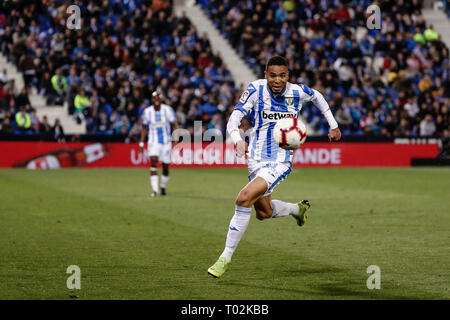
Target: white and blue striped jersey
159, 123
264, 109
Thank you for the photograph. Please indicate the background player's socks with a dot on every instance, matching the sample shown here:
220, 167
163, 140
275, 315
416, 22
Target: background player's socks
154, 183
282, 209
164, 180
238, 225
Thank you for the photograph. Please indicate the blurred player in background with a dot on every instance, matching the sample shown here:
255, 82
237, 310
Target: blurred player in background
264, 101
157, 121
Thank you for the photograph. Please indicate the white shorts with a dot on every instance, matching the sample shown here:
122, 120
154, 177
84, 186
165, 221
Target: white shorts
162, 151
272, 172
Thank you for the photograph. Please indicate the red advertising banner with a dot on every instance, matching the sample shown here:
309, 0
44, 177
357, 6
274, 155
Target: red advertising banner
53, 155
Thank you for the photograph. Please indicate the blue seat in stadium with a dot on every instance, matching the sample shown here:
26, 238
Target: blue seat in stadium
44, 23
317, 42
107, 108
203, 3
141, 110
165, 42
373, 32
341, 90
337, 32
346, 132
391, 91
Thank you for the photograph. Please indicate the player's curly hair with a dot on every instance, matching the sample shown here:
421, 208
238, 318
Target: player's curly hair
277, 61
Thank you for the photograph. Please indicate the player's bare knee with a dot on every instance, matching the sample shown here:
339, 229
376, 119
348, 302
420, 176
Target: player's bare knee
242, 202
243, 199
154, 161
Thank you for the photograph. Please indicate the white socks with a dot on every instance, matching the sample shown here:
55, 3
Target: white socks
238, 225
154, 182
164, 180
282, 209
241, 218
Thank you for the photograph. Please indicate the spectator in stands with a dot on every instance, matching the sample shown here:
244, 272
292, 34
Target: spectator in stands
27, 66
46, 88
10, 100
368, 123
105, 59
2, 97
134, 135
345, 73
103, 123
34, 120
6, 127
344, 119
446, 77
45, 129
425, 84
23, 120
4, 79
389, 126
143, 45
440, 126
11, 85
316, 27
57, 132
22, 99
427, 126
419, 37
406, 61
123, 127
430, 34
59, 85
366, 45
81, 103
404, 129
342, 14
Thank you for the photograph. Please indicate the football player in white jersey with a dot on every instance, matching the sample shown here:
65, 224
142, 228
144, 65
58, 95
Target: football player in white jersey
157, 121
264, 102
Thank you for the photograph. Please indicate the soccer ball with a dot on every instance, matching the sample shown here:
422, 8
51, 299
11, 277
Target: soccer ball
289, 133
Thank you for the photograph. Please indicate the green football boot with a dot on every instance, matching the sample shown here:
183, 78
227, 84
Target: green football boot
301, 217
219, 268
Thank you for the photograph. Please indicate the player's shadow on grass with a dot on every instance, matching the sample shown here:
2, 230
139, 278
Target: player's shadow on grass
328, 291
311, 270
340, 290
346, 290
246, 285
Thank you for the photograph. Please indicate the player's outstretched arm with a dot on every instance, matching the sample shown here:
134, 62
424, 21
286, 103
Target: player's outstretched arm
233, 130
320, 102
245, 105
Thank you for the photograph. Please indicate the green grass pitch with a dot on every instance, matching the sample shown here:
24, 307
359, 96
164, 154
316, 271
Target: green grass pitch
131, 246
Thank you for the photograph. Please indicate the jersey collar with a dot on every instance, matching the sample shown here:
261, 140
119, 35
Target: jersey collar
279, 95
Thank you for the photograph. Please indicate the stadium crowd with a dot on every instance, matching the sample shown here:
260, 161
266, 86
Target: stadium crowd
390, 82
394, 81
107, 70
